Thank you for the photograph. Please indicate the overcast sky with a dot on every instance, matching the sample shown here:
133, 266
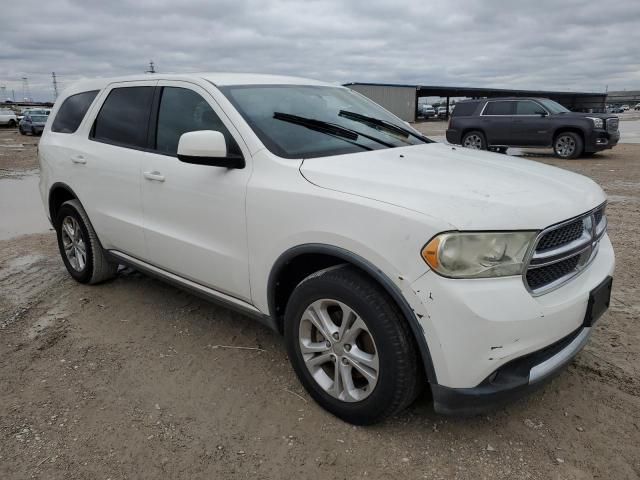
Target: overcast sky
563, 44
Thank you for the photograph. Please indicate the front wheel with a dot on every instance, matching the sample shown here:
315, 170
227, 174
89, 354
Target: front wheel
11, 124
21, 130
79, 247
474, 140
350, 346
568, 145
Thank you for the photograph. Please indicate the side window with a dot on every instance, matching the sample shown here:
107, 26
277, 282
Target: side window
464, 109
124, 117
183, 110
499, 108
527, 107
72, 111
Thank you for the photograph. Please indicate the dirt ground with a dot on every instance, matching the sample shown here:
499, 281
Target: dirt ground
135, 379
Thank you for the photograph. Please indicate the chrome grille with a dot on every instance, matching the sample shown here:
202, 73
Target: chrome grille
612, 124
564, 250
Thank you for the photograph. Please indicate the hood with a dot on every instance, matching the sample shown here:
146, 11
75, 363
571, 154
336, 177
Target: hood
468, 189
582, 115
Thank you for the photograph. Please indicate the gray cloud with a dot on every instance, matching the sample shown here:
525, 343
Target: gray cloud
569, 44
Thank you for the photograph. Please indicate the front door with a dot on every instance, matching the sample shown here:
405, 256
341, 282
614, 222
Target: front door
194, 215
531, 125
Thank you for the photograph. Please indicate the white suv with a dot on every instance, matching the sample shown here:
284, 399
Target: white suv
385, 259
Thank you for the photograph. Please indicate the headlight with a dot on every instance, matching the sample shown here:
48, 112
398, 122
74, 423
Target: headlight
478, 255
597, 122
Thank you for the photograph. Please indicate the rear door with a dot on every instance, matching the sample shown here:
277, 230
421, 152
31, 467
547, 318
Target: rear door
110, 163
531, 124
497, 121
194, 215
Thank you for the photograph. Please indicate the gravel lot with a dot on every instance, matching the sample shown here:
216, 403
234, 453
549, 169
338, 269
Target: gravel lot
136, 379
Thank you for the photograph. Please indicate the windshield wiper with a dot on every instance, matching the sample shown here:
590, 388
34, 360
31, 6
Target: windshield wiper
391, 127
329, 128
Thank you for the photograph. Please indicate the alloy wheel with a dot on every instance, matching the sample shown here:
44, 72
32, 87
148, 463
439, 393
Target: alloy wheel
75, 248
473, 141
338, 350
565, 146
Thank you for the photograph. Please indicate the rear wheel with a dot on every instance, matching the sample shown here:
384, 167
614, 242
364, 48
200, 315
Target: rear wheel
474, 140
350, 346
568, 145
79, 247
12, 123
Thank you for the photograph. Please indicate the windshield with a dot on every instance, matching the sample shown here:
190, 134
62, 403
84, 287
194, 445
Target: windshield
552, 107
280, 114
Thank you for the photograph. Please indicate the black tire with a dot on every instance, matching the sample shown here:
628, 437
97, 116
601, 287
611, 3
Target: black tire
97, 268
398, 381
12, 124
568, 145
475, 140
21, 130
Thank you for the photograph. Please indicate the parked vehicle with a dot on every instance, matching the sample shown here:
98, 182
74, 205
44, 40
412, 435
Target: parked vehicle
427, 111
8, 118
615, 109
531, 122
625, 107
386, 260
32, 123
34, 111
637, 107
442, 112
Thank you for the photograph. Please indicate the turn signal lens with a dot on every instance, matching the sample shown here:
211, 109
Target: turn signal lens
430, 253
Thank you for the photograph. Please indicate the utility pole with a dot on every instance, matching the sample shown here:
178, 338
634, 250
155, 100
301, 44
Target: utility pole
55, 85
152, 68
3, 93
26, 91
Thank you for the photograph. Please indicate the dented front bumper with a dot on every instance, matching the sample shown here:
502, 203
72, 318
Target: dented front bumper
486, 335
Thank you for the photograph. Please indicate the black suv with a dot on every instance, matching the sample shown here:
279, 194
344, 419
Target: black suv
498, 123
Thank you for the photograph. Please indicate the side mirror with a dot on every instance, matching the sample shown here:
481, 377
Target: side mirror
207, 147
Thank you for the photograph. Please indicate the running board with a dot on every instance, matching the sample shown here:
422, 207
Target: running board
193, 287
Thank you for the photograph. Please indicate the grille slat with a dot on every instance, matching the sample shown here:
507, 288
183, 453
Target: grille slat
561, 236
539, 277
567, 260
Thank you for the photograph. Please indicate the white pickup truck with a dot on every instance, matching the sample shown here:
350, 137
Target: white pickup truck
8, 117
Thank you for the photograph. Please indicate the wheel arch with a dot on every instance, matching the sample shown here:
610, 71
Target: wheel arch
58, 194
302, 260
474, 129
565, 129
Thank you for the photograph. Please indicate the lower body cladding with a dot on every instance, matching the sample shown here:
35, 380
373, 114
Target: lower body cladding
491, 341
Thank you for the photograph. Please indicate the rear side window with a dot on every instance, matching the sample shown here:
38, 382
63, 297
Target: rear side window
464, 109
72, 111
124, 117
499, 108
183, 110
527, 107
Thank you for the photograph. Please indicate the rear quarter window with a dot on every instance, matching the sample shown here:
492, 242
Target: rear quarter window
72, 111
464, 109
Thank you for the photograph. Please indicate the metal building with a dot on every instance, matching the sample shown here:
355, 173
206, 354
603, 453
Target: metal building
402, 100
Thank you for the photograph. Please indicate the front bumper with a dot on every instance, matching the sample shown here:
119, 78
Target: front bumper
600, 139
485, 336
513, 380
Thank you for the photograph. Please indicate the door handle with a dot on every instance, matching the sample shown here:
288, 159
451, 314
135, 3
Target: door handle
154, 176
79, 159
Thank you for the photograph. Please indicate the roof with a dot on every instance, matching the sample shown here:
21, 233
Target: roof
218, 79
440, 90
